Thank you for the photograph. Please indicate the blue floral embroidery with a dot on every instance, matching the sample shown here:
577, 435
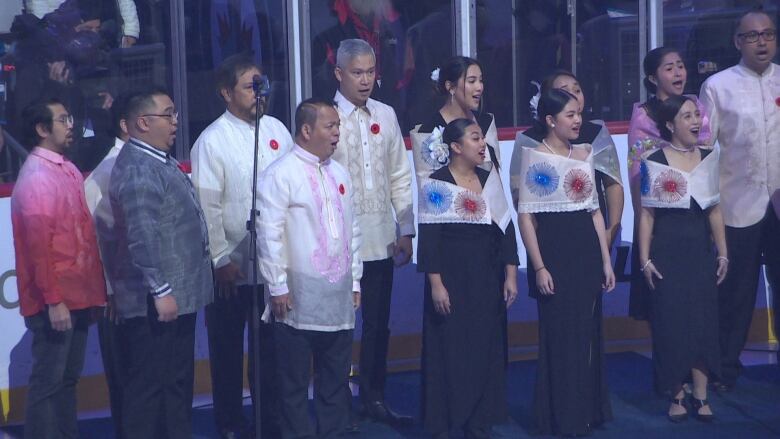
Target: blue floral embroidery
542, 179
437, 197
644, 181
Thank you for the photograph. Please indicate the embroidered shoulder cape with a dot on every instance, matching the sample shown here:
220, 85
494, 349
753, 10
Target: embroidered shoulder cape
605, 155
442, 202
543, 182
430, 154
667, 187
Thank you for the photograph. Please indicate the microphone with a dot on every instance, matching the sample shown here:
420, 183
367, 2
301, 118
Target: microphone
261, 85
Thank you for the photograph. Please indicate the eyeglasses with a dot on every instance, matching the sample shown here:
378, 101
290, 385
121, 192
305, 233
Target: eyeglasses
65, 120
752, 36
173, 116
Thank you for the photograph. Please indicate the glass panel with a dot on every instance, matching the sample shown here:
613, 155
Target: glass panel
608, 57
82, 58
410, 39
216, 29
542, 44
703, 33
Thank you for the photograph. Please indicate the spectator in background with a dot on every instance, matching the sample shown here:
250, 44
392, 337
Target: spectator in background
58, 271
378, 23
63, 56
127, 14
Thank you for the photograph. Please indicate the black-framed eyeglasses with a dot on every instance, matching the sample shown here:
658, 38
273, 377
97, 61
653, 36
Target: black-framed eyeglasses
65, 120
173, 116
752, 36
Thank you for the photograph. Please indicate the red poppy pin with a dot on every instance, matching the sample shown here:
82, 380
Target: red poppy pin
375, 128
184, 167
341, 189
274, 144
777, 102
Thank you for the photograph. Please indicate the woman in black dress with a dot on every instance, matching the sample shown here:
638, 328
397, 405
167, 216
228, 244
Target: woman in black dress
609, 184
460, 80
470, 260
564, 235
679, 222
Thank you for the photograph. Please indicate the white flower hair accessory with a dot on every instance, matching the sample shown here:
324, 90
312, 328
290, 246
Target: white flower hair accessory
434, 151
435, 74
534, 102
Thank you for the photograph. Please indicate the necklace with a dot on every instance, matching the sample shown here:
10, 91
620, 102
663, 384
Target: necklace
683, 150
544, 142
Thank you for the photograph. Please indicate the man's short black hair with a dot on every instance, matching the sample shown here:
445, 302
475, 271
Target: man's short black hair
118, 112
141, 100
38, 112
306, 113
226, 75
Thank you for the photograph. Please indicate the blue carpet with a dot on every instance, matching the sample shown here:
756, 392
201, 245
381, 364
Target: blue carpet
752, 410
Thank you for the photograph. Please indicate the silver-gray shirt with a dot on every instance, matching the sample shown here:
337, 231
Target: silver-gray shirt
162, 237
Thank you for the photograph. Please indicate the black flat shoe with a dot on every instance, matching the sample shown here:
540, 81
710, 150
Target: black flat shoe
682, 416
378, 411
697, 405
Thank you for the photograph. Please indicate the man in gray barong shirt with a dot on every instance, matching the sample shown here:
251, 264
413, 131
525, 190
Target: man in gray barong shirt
160, 272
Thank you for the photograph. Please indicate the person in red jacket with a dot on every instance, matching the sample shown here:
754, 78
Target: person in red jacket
58, 270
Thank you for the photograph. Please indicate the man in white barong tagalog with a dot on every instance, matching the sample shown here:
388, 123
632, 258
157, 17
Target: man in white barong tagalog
309, 246
743, 103
222, 166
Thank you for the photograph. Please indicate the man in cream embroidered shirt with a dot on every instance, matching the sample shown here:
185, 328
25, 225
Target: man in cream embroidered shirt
744, 109
371, 147
743, 103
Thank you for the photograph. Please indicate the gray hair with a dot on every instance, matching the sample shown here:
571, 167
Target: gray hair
352, 48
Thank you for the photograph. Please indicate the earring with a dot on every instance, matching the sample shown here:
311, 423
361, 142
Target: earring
552, 125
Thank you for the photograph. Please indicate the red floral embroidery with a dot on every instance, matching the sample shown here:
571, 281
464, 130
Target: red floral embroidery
341, 189
375, 128
470, 206
274, 144
577, 185
670, 186
777, 102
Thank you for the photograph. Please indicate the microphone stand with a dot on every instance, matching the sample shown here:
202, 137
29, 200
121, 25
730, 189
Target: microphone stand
251, 226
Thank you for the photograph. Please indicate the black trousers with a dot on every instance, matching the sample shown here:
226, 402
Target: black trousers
772, 254
157, 393
737, 293
113, 368
226, 320
376, 287
330, 353
57, 361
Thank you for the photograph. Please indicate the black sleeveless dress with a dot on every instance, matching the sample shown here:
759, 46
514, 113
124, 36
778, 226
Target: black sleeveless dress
684, 303
570, 395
